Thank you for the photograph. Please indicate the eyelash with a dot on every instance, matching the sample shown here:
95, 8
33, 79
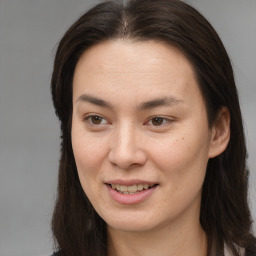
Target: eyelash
164, 119
89, 119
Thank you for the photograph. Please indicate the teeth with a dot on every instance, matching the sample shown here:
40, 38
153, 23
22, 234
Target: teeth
130, 189
145, 186
140, 186
123, 188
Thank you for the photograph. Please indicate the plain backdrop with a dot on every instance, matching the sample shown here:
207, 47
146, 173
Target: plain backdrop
29, 130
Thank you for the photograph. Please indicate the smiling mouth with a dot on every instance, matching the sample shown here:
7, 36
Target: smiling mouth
131, 190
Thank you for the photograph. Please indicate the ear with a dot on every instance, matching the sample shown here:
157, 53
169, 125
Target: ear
220, 133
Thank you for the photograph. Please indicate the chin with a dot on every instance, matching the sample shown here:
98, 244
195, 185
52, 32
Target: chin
133, 227
139, 222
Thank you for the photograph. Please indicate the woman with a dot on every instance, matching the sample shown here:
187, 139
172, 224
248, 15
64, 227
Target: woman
153, 151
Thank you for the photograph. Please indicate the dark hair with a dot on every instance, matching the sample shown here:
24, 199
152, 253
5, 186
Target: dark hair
225, 215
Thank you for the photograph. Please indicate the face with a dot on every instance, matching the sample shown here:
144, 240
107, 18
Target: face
140, 134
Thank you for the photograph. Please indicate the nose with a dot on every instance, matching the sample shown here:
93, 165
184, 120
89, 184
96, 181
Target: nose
127, 149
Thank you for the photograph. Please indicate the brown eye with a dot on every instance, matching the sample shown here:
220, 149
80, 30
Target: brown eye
96, 119
157, 121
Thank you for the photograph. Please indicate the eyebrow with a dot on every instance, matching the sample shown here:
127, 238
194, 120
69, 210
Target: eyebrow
94, 100
164, 101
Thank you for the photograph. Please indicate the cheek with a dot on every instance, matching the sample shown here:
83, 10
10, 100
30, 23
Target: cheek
89, 152
182, 158
173, 151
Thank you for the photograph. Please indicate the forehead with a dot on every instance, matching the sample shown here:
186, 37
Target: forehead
148, 66
139, 56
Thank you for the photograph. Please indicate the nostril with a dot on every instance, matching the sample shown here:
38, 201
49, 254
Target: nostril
125, 158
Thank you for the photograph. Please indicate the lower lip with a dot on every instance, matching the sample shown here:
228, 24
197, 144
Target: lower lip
131, 199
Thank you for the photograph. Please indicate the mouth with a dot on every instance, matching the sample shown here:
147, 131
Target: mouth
131, 192
131, 189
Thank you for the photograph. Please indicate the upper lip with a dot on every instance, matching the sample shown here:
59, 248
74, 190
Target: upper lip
130, 182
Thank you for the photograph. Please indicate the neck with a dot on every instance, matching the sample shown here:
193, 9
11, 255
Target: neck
173, 240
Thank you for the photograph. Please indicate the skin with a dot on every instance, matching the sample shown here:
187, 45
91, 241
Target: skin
127, 142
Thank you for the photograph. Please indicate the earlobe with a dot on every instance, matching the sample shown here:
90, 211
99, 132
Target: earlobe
220, 133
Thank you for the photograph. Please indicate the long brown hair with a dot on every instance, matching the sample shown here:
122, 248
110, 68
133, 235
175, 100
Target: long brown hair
225, 215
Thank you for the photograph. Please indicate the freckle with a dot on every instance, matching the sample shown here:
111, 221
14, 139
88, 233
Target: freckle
182, 138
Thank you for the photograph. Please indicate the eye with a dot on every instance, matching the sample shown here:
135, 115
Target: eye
96, 120
158, 121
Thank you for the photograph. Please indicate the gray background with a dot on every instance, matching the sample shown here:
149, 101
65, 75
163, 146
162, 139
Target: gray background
29, 133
